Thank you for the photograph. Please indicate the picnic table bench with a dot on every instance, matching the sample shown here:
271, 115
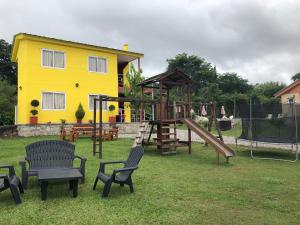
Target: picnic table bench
76, 131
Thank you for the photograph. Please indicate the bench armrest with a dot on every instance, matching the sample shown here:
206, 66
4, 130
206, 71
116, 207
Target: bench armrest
23, 164
82, 166
81, 158
3, 176
10, 168
125, 169
102, 164
82, 161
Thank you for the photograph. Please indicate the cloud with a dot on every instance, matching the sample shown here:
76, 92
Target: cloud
257, 39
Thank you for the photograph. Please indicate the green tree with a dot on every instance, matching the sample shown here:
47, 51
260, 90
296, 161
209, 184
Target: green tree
232, 83
201, 71
264, 93
131, 88
8, 101
227, 89
8, 69
296, 77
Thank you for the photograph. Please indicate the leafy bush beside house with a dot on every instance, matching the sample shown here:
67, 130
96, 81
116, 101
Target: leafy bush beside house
8, 100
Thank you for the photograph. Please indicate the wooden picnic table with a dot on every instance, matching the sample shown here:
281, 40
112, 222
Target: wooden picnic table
76, 131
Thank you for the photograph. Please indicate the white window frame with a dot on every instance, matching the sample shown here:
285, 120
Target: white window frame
53, 67
54, 92
93, 107
101, 57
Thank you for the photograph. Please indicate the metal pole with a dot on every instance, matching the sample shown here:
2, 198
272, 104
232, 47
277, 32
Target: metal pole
250, 126
94, 129
100, 127
296, 130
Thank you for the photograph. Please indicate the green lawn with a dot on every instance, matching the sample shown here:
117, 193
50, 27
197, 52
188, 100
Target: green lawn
181, 189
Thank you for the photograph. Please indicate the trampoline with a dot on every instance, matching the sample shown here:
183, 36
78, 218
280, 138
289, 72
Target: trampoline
274, 123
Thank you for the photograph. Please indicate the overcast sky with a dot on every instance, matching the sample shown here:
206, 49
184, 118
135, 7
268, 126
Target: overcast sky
260, 40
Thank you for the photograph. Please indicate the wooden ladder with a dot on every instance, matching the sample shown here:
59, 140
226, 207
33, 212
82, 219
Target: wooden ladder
169, 139
139, 138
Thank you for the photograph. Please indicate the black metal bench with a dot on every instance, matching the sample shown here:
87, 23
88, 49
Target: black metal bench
50, 154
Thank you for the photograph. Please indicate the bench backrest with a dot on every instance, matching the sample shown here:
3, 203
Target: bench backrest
133, 160
50, 154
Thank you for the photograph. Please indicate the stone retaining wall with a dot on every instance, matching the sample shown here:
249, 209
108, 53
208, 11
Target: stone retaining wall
8, 131
54, 129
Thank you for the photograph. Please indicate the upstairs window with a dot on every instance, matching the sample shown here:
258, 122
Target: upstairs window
53, 59
91, 102
53, 101
97, 64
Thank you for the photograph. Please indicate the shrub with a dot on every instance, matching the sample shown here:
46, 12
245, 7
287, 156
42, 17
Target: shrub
34, 112
80, 112
35, 103
111, 108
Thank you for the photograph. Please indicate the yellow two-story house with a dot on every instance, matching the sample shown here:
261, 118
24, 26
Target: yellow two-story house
61, 74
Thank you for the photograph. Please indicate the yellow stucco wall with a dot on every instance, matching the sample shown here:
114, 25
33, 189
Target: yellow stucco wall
127, 109
33, 79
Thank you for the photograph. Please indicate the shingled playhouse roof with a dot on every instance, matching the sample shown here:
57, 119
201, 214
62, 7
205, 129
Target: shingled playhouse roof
169, 79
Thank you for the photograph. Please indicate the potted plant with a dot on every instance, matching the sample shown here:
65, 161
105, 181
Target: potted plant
34, 119
63, 123
111, 118
79, 113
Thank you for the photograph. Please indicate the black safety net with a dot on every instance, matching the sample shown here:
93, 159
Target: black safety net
274, 122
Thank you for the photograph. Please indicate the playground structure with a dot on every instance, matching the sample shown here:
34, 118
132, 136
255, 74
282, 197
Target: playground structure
270, 123
171, 103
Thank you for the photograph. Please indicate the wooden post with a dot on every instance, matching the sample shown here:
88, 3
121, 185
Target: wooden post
139, 64
213, 112
94, 129
190, 140
142, 105
189, 101
167, 103
161, 100
174, 110
100, 127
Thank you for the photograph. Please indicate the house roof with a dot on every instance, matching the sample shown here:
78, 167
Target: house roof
169, 79
123, 56
286, 89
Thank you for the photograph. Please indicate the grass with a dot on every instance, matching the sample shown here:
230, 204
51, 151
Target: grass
181, 189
